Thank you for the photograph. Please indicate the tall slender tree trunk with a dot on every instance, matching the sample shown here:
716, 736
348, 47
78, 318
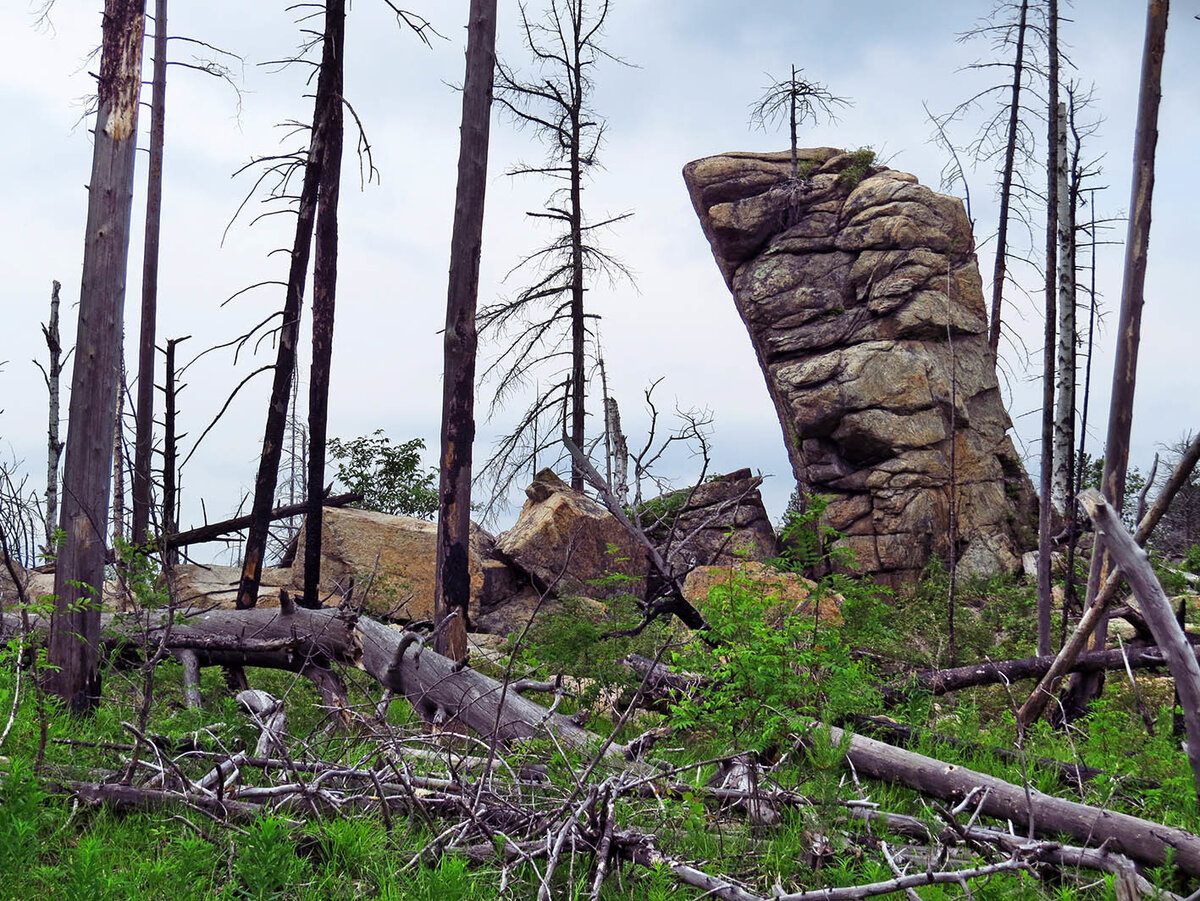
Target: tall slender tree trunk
453, 589
54, 446
792, 113
170, 490
143, 442
1129, 326
118, 460
324, 294
79, 574
1061, 494
1006, 179
1046, 506
285, 360
578, 324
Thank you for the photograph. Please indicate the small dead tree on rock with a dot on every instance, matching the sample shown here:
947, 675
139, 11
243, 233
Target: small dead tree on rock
795, 100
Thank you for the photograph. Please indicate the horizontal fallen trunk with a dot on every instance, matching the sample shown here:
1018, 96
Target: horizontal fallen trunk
1144, 842
1071, 774
1001, 672
436, 687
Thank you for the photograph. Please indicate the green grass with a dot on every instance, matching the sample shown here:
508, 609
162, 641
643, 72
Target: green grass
776, 674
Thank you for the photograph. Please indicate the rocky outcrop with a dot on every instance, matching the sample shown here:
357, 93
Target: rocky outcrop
201, 586
569, 543
392, 560
861, 292
720, 521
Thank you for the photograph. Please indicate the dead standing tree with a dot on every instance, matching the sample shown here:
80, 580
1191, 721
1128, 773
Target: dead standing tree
798, 101
1045, 488
285, 362
1120, 416
452, 592
324, 292
79, 576
549, 318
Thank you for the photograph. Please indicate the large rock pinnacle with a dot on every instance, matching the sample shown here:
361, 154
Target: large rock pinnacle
861, 292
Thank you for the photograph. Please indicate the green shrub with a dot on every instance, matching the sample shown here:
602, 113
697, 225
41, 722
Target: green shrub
388, 477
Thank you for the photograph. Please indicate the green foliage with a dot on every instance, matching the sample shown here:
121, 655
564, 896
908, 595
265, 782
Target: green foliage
861, 161
771, 669
267, 864
1191, 560
388, 476
807, 545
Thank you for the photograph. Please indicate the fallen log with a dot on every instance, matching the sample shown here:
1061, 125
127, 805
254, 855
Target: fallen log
1000, 672
1144, 842
439, 689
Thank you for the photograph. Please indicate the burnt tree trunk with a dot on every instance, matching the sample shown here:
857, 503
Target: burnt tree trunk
143, 442
1045, 486
54, 446
1129, 325
453, 589
79, 575
324, 289
285, 360
1006, 179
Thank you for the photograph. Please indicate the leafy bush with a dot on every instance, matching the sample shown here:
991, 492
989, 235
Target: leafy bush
770, 669
388, 477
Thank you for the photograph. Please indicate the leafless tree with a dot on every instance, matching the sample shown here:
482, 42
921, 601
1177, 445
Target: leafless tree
79, 575
794, 100
1120, 417
1045, 506
547, 323
452, 592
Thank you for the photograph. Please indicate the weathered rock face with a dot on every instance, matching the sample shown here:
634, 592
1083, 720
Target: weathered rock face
566, 540
397, 554
202, 586
722, 521
864, 304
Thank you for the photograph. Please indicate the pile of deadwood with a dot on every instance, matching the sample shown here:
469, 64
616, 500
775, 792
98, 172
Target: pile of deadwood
478, 776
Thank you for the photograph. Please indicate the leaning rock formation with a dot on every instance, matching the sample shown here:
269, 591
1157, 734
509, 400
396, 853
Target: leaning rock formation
861, 293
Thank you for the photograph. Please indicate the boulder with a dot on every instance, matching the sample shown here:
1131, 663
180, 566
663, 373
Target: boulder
200, 586
570, 544
788, 593
721, 521
865, 307
391, 559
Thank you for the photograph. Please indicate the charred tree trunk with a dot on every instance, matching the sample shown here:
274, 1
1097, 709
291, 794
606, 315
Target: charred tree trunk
285, 360
324, 289
143, 442
1006, 180
54, 446
1129, 326
453, 589
170, 452
79, 575
1062, 494
1045, 505
578, 323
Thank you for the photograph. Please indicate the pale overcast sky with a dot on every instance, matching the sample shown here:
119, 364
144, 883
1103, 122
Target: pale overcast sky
694, 67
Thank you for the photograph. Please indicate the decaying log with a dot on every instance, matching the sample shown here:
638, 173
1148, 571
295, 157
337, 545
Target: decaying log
1144, 842
1001, 672
435, 686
